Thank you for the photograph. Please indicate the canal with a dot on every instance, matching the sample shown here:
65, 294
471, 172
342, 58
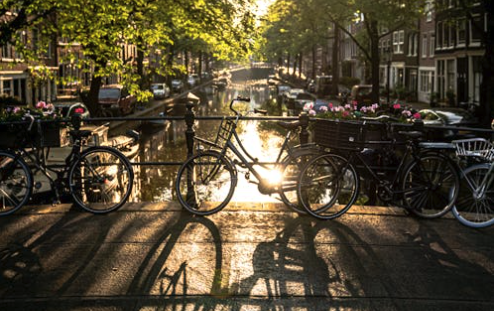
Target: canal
165, 141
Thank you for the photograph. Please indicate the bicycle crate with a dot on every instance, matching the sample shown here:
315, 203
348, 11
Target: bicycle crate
475, 147
11, 134
224, 132
339, 134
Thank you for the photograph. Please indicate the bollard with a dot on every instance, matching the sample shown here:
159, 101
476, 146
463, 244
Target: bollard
304, 124
190, 100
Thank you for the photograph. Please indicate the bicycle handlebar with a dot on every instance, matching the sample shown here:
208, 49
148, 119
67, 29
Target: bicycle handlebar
238, 99
31, 117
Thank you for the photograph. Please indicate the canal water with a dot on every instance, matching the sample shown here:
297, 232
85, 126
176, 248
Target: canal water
166, 142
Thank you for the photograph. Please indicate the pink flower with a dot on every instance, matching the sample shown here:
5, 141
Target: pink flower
330, 105
312, 112
79, 110
323, 109
396, 106
41, 105
348, 107
406, 113
16, 110
417, 115
345, 114
354, 102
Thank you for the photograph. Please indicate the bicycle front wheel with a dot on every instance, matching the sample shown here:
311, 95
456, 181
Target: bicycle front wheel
474, 206
290, 171
328, 186
205, 183
16, 183
430, 186
101, 180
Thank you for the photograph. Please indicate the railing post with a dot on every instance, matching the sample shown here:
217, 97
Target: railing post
190, 100
304, 124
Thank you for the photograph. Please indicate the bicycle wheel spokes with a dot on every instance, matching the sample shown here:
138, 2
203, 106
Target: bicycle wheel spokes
15, 184
328, 186
430, 186
101, 181
472, 207
290, 169
205, 183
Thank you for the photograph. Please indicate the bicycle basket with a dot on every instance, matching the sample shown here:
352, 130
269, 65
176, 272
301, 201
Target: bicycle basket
474, 147
225, 132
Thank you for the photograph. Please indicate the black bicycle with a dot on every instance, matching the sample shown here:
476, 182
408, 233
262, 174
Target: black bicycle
207, 180
98, 178
420, 177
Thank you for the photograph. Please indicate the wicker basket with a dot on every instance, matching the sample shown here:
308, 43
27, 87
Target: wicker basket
347, 135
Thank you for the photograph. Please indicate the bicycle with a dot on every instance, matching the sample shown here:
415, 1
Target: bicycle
206, 181
474, 206
424, 181
99, 178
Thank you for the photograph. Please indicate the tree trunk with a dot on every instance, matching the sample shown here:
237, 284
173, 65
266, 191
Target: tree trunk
314, 61
336, 71
300, 65
295, 65
374, 42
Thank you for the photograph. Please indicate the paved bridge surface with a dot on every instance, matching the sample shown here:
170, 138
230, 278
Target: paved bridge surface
154, 256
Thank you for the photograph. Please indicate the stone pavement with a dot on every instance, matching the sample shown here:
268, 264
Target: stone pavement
154, 256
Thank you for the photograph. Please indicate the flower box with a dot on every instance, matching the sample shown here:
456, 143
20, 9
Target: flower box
43, 134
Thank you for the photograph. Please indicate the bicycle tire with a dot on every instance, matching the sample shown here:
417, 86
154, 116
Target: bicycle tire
430, 185
16, 183
328, 186
213, 179
101, 180
291, 166
470, 209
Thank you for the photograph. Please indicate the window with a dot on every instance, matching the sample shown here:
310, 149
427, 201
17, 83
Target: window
439, 32
398, 41
7, 51
412, 44
429, 6
461, 31
7, 87
475, 34
424, 46
425, 81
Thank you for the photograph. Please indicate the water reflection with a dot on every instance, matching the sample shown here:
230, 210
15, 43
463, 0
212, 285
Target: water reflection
166, 143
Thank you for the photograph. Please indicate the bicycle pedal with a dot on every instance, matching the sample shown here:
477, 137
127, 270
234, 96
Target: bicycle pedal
37, 185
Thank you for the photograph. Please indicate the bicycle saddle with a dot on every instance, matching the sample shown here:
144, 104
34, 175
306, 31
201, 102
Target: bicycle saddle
289, 125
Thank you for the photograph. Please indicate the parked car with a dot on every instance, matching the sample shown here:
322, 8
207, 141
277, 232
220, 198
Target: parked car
68, 108
160, 90
448, 116
193, 80
116, 99
177, 85
323, 85
362, 94
271, 80
296, 99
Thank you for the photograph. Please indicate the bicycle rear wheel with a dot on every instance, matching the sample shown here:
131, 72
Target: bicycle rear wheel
101, 180
205, 183
290, 170
430, 186
328, 186
16, 183
472, 207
